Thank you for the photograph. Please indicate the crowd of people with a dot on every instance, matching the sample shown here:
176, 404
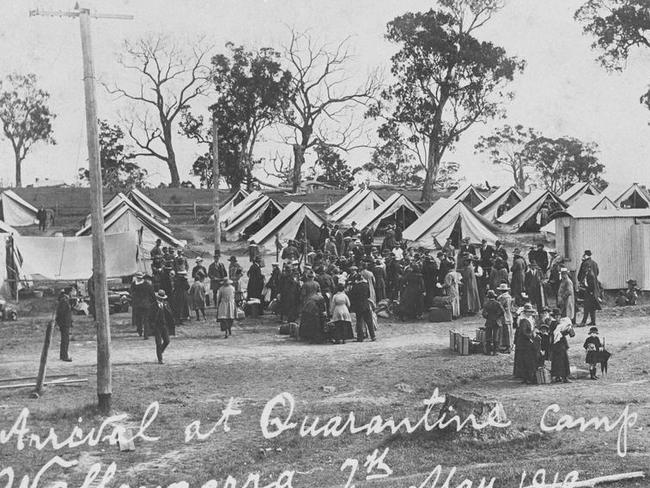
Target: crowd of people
321, 285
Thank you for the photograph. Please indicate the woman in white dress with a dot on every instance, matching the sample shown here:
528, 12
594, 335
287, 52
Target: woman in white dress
452, 282
340, 311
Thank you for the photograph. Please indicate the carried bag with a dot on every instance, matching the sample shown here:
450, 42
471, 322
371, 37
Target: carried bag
240, 314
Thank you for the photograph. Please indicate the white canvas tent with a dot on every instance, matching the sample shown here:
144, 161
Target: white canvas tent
522, 216
627, 196
70, 258
356, 207
506, 194
233, 200
577, 190
342, 201
127, 217
251, 218
7, 229
397, 208
228, 214
15, 211
148, 205
468, 194
446, 219
294, 219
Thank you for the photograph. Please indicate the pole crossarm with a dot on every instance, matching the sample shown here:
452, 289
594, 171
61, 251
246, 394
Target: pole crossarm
62, 13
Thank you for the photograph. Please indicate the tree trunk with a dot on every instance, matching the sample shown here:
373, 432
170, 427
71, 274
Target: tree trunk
171, 159
298, 161
19, 176
433, 164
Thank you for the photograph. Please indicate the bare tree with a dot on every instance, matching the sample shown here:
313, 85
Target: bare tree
322, 105
169, 78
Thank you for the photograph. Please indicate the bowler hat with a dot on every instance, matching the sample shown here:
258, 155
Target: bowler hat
593, 330
161, 294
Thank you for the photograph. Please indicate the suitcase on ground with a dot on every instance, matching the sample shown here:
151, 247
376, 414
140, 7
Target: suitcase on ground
480, 335
452, 339
437, 315
441, 302
464, 346
457, 336
543, 378
294, 330
475, 347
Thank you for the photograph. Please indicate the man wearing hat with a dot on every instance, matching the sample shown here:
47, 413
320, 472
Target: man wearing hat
156, 251
143, 299
255, 279
566, 295
493, 314
235, 272
587, 264
162, 324
500, 251
517, 282
274, 281
632, 292
360, 306
199, 268
63, 319
540, 256
180, 297
217, 273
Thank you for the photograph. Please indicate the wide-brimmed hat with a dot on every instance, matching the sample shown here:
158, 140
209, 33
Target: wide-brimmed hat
139, 275
232, 258
199, 259
490, 294
353, 268
593, 330
503, 287
528, 307
587, 252
161, 294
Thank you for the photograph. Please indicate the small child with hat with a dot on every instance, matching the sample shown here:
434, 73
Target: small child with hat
593, 346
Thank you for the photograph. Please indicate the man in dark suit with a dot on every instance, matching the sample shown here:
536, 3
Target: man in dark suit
63, 320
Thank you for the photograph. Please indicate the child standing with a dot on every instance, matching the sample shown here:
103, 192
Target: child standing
593, 346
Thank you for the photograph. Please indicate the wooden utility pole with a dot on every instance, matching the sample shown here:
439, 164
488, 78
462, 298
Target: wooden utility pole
215, 183
102, 323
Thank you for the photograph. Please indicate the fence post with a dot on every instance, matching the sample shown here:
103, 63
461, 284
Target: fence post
41, 369
194, 210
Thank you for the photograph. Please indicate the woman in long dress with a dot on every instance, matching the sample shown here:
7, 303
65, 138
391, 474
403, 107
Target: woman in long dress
340, 311
452, 281
471, 302
226, 308
313, 318
560, 369
412, 298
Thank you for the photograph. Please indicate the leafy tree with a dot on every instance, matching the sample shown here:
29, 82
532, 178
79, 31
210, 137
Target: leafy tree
393, 163
564, 161
320, 98
169, 78
252, 93
446, 79
618, 26
336, 170
506, 148
119, 169
25, 115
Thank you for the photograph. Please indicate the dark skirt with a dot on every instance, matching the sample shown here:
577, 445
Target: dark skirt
312, 328
225, 324
592, 357
559, 362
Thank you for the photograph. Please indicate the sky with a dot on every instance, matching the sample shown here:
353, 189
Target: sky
562, 92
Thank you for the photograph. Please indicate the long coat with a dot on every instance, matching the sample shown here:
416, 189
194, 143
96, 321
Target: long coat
518, 276
412, 299
370, 278
533, 282
255, 281
197, 295
380, 282
470, 301
566, 298
226, 308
